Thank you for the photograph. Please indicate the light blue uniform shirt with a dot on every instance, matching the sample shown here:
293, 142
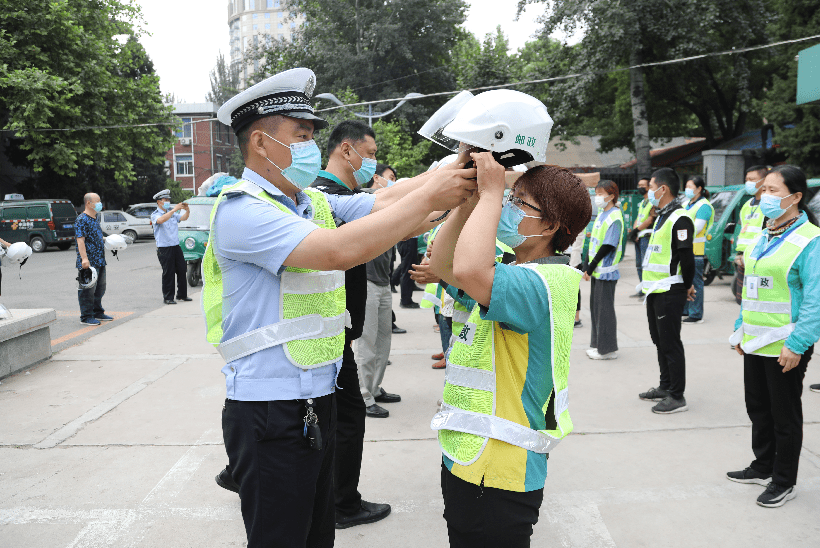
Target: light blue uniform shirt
252, 241
613, 238
805, 291
167, 233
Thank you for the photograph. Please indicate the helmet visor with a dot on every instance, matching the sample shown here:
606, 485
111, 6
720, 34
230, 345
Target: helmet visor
433, 128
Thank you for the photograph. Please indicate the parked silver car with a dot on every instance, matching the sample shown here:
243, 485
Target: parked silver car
119, 222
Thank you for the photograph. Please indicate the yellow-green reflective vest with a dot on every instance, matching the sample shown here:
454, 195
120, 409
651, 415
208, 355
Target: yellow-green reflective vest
657, 262
767, 317
311, 302
469, 416
751, 225
699, 242
431, 297
599, 230
644, 211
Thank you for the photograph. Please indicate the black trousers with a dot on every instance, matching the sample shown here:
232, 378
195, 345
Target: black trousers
408, 250
285, 487
173, 262
776, 411
663, 310
602, 309
350, 416
486, 517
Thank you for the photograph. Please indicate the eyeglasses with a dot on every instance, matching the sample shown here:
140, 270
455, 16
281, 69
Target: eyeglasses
515, 200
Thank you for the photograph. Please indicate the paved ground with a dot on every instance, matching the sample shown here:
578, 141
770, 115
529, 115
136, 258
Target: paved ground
115, 442
48, 280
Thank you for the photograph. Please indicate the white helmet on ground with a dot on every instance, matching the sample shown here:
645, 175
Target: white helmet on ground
87, 278
512, 125
17, 253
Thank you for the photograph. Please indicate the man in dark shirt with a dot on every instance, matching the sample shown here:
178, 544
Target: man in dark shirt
349, 143
91, 253
668, 291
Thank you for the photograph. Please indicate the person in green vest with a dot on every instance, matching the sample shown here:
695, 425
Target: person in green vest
778, 325
275, 308
642, 228
505, 402
702, 213
668, 269
751, 218
604, 256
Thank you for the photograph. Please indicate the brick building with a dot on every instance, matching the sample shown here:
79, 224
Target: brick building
203, 145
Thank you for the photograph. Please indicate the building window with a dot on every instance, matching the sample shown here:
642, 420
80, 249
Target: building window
281, 14
281, 26
185, 164
185, 129
270, 4
219, 166
293, 24
267, 26
256, 27
248, 5
267, 16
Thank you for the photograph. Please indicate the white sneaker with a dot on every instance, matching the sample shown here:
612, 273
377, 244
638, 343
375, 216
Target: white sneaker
592, 353
610, 356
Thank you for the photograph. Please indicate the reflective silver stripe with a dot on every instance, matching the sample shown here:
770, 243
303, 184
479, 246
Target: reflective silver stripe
606, 269
469, 377
768, 307
313, 326
662, 268
764, 336
798, 239
561, 401
461, 316
665, 283
496, 428
752, 229
431, 298
644, 232
700, 240
311, 283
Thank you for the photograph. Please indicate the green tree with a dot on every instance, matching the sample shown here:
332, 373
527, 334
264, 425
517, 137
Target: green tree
479, 64
224, 81
797, 125
64, 65
716, 91
396, 148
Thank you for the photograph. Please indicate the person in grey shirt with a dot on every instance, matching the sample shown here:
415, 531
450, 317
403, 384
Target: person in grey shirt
373, 347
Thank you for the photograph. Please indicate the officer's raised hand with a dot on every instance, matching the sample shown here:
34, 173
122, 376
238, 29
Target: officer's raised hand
450, 188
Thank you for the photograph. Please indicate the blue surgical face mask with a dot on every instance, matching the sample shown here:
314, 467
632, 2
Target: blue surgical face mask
366, 172
167, 206
751, 187
507, 231
98, 207
652, 199
770, 205
689, 193
305, 163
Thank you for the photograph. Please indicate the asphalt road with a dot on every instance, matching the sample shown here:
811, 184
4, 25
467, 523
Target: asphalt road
49, 281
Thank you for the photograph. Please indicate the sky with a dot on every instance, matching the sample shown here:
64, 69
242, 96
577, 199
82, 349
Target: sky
187, 35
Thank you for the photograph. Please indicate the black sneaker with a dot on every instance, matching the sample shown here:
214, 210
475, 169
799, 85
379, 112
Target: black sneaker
776, 495
815, 388
653, 394
690, 319
411, 304
369, 512
577, 323
749, 475
225, 480
670, 405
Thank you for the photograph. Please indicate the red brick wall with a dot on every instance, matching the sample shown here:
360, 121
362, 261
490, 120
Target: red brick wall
208, 143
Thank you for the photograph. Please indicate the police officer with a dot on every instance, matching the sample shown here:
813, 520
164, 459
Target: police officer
779, 324
668, 271
165, 221
274, 302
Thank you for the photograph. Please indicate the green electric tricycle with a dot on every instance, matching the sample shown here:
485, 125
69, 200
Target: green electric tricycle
193, 235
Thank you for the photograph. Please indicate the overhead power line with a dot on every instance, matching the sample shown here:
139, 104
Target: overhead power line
733, 51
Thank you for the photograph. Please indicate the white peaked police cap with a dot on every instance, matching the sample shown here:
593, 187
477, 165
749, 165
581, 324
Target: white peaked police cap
287, 94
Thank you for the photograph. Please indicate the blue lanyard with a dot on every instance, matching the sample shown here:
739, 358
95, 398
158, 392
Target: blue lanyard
775, 244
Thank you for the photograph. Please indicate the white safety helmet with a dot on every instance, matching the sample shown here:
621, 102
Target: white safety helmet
87, 278
5, 314
116, 242
17, 253
512, 125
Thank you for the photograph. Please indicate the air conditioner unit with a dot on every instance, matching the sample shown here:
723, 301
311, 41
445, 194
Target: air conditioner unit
185, 141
